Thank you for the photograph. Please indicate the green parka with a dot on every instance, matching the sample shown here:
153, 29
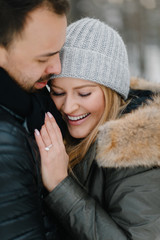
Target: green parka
116, 192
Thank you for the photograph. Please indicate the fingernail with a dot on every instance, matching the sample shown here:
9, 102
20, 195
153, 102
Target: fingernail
49, 115
37, 132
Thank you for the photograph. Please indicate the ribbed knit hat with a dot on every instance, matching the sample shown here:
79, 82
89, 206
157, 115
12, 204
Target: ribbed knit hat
94, 51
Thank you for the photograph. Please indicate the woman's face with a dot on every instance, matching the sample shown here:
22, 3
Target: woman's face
81, 102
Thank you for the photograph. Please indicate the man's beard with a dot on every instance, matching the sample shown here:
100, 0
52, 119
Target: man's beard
26, 87
44, 79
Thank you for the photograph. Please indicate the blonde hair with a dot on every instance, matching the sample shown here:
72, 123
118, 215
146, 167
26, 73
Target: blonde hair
113, 107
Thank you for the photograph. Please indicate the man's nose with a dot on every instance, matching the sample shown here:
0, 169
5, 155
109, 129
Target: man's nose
54, 65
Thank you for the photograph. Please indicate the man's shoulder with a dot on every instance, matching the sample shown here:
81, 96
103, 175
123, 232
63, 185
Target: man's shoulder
15, 143
11, 124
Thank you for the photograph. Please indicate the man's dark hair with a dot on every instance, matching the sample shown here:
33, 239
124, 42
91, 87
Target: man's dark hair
13, 15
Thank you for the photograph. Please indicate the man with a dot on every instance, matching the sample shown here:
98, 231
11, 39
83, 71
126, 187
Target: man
32, 33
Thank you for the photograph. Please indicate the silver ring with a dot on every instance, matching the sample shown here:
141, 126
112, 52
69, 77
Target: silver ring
48, 148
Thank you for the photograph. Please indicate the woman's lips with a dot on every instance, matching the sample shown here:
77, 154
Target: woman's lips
77, 120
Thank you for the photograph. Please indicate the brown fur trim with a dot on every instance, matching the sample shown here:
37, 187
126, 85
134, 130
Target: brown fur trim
133, 140
142, 84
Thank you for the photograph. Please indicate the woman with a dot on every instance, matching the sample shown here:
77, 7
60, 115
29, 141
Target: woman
107, 185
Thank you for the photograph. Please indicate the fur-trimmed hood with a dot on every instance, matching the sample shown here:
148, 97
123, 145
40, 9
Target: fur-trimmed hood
134, 139
142, 84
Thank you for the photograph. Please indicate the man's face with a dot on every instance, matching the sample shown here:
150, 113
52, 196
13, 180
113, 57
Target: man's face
34, 56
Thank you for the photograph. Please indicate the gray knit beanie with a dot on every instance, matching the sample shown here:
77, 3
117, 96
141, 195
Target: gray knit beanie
94, 51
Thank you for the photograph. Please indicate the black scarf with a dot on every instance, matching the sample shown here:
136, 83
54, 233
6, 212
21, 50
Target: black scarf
13, 97
30, 106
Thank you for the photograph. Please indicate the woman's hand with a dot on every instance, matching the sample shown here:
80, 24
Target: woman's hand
54, 159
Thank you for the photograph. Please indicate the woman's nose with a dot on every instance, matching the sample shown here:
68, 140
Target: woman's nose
70, 105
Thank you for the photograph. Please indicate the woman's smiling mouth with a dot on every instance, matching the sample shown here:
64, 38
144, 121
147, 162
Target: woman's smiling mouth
76, 118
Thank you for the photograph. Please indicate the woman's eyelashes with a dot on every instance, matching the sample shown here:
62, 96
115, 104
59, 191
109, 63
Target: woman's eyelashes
54, 93
57, 93
85, 94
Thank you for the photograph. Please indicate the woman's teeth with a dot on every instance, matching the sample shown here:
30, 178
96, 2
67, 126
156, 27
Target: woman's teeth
78, 118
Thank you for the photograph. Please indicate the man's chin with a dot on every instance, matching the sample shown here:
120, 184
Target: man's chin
39, 84
28, 89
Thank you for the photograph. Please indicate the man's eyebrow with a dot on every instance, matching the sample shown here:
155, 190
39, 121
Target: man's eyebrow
48, 54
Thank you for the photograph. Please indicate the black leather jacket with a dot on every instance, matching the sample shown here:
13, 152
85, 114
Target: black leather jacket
22, 211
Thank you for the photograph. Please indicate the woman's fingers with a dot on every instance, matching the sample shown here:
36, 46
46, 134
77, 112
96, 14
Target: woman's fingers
55, 125
45, 136
53, 129
49, 134
39, 141
54, 161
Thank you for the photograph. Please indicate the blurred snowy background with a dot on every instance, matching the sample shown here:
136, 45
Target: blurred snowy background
137, 21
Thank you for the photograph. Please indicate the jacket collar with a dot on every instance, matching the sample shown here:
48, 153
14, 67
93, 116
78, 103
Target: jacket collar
82, 169
13, 97
133, 140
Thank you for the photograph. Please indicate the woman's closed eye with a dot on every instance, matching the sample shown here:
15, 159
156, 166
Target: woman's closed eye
54, 93
85, 94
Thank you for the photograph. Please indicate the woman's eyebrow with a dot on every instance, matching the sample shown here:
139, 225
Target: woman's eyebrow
83, 86
78, 87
